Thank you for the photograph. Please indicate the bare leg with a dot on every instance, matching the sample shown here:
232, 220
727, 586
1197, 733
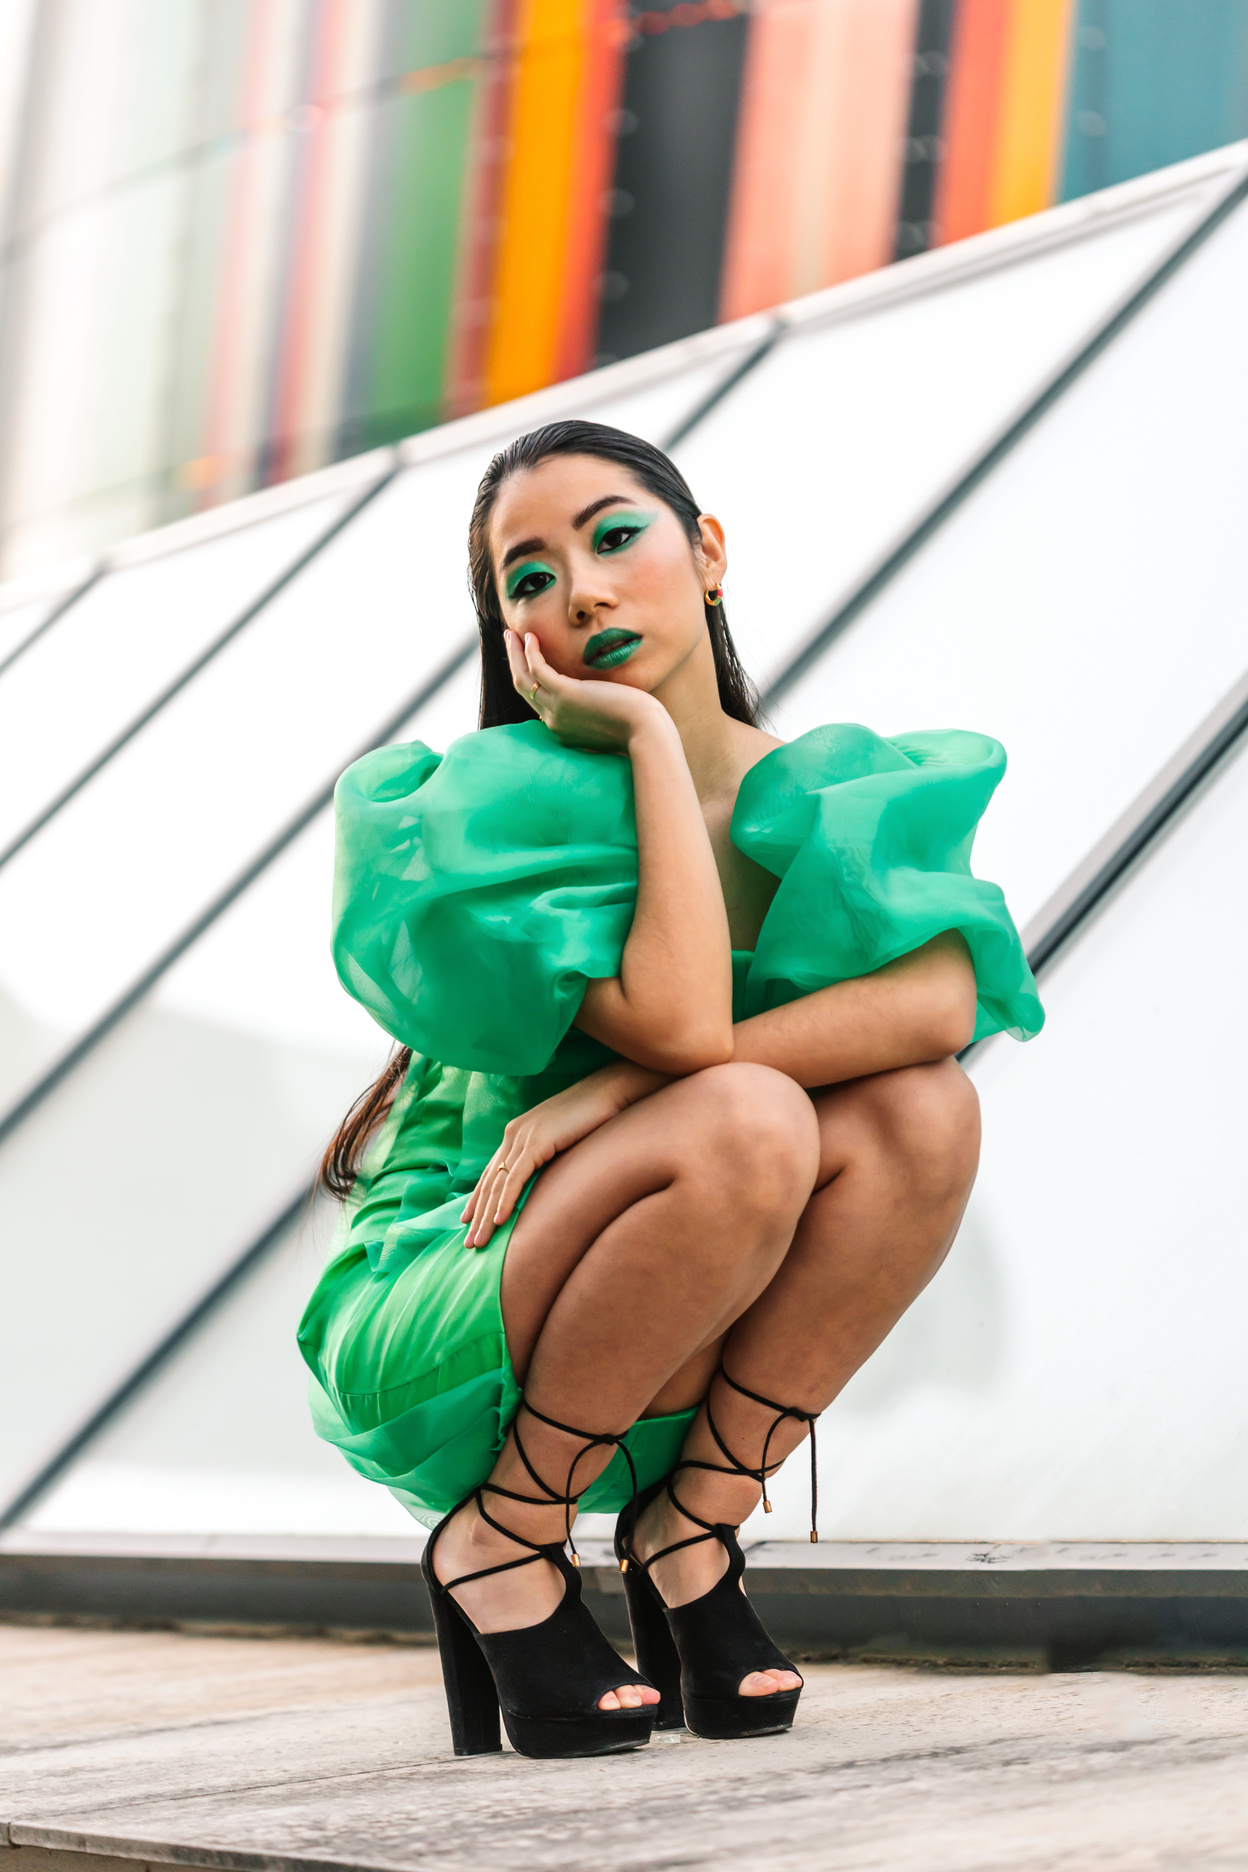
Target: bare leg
638, 1247
898, 1154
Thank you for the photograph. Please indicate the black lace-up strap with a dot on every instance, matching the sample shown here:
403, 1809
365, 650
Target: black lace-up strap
690, 1540
608, 1439
764, 1469
549, 1498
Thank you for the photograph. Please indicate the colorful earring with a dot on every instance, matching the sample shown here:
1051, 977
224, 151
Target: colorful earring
715, 595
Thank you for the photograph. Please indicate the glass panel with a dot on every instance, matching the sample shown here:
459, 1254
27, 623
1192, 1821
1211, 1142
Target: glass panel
122, 643
1084, 605
272, 718
832, 447
16, 626
223, 1443
178, 1140
1076, 1371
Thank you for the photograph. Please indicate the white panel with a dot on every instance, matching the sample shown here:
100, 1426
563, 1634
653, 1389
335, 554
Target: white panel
1076, 1371
831, 447
1086, 604
16, 626
174, 1144
223, 1442
133, 633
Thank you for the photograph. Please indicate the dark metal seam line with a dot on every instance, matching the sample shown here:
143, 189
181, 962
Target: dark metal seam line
995, 453
74, 1055
1137, 841
55, 615
197, 665
154, 1361
713, 398
1134, 846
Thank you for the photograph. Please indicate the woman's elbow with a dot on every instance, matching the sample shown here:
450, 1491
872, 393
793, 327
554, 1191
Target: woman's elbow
691, 1047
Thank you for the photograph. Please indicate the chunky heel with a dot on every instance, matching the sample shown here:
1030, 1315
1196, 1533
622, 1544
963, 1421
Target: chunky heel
701, 1651
546, 1680
657, 1656
471, 1699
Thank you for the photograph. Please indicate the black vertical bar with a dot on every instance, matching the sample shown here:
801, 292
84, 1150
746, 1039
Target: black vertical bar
673, 177
924, 127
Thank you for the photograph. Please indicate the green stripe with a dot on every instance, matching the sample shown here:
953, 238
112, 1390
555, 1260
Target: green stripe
424, 214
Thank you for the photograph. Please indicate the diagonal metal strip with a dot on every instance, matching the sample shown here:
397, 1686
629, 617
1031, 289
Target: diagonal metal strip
154, 1361
87, 1042
58, 611
725, 387
198, 664
1145, 821
934, 516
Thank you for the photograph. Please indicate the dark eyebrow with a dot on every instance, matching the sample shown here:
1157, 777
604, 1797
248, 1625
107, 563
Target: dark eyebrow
587, 513
518, 552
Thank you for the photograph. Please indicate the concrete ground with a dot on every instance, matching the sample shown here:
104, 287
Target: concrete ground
266, 1754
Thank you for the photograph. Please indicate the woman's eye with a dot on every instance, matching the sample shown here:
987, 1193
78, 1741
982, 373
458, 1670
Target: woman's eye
617, 536
531, 584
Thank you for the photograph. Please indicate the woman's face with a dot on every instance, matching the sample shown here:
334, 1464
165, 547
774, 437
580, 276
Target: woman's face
602, 572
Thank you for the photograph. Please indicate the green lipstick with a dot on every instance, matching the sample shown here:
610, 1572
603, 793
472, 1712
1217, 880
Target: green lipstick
610, 648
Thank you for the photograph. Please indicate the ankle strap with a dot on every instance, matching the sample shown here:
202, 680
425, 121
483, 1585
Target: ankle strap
735, 1466
548, 1498
608, 1439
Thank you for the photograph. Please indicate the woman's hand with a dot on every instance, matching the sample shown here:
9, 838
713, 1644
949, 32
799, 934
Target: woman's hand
538, 1135
600, 715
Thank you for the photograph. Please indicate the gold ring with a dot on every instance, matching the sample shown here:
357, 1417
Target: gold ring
533, 691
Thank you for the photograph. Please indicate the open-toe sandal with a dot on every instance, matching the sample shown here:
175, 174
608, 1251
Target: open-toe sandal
697, 1654
546, 1679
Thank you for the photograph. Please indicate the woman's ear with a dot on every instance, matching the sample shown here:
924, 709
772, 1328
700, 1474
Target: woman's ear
712, 555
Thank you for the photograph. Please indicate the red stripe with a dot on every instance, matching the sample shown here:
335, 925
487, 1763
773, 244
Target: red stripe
972, 116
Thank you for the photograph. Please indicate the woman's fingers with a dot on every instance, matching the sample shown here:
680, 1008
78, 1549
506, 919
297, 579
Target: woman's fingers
519, 1171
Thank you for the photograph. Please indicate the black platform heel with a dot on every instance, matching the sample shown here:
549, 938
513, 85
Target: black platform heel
697, 1654
546, 1678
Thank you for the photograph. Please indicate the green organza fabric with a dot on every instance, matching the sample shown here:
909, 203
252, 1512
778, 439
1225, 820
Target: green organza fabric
475, 896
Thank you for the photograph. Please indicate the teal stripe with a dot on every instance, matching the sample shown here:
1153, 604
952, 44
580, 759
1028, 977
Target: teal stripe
1153, 82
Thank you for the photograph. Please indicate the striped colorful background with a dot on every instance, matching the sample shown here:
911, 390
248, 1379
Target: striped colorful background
242, 238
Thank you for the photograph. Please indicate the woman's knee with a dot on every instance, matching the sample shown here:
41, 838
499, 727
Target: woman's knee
759, 1131
928, 1116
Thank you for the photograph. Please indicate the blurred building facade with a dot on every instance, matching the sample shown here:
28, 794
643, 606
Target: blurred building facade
243, 238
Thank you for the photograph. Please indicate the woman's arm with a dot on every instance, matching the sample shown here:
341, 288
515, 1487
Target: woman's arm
914, 1010
670, 1007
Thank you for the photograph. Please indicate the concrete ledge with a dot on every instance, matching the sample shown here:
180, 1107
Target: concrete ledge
1060, 1603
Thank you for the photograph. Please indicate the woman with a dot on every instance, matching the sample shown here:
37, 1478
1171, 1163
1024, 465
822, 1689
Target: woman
678, 1132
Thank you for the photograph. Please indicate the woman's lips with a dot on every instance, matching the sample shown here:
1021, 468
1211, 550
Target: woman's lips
610, 648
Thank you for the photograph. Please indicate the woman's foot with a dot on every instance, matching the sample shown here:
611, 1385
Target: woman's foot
689, 1574
510, 1601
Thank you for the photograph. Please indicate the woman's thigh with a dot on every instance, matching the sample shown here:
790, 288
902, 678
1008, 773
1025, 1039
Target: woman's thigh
741, 1138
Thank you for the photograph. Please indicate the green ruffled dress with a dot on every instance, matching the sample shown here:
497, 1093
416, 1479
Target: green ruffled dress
476, 893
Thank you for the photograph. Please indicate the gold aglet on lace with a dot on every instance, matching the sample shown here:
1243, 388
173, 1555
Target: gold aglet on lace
814, 1537
623, 1566
576, 1559
766, 1505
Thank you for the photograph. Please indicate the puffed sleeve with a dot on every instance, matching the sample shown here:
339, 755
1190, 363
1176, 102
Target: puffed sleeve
476, 894
871, 841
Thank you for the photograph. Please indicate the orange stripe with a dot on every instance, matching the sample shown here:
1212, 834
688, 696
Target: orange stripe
971, 117
606, 35
1032, 109
536, 199
762, 221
